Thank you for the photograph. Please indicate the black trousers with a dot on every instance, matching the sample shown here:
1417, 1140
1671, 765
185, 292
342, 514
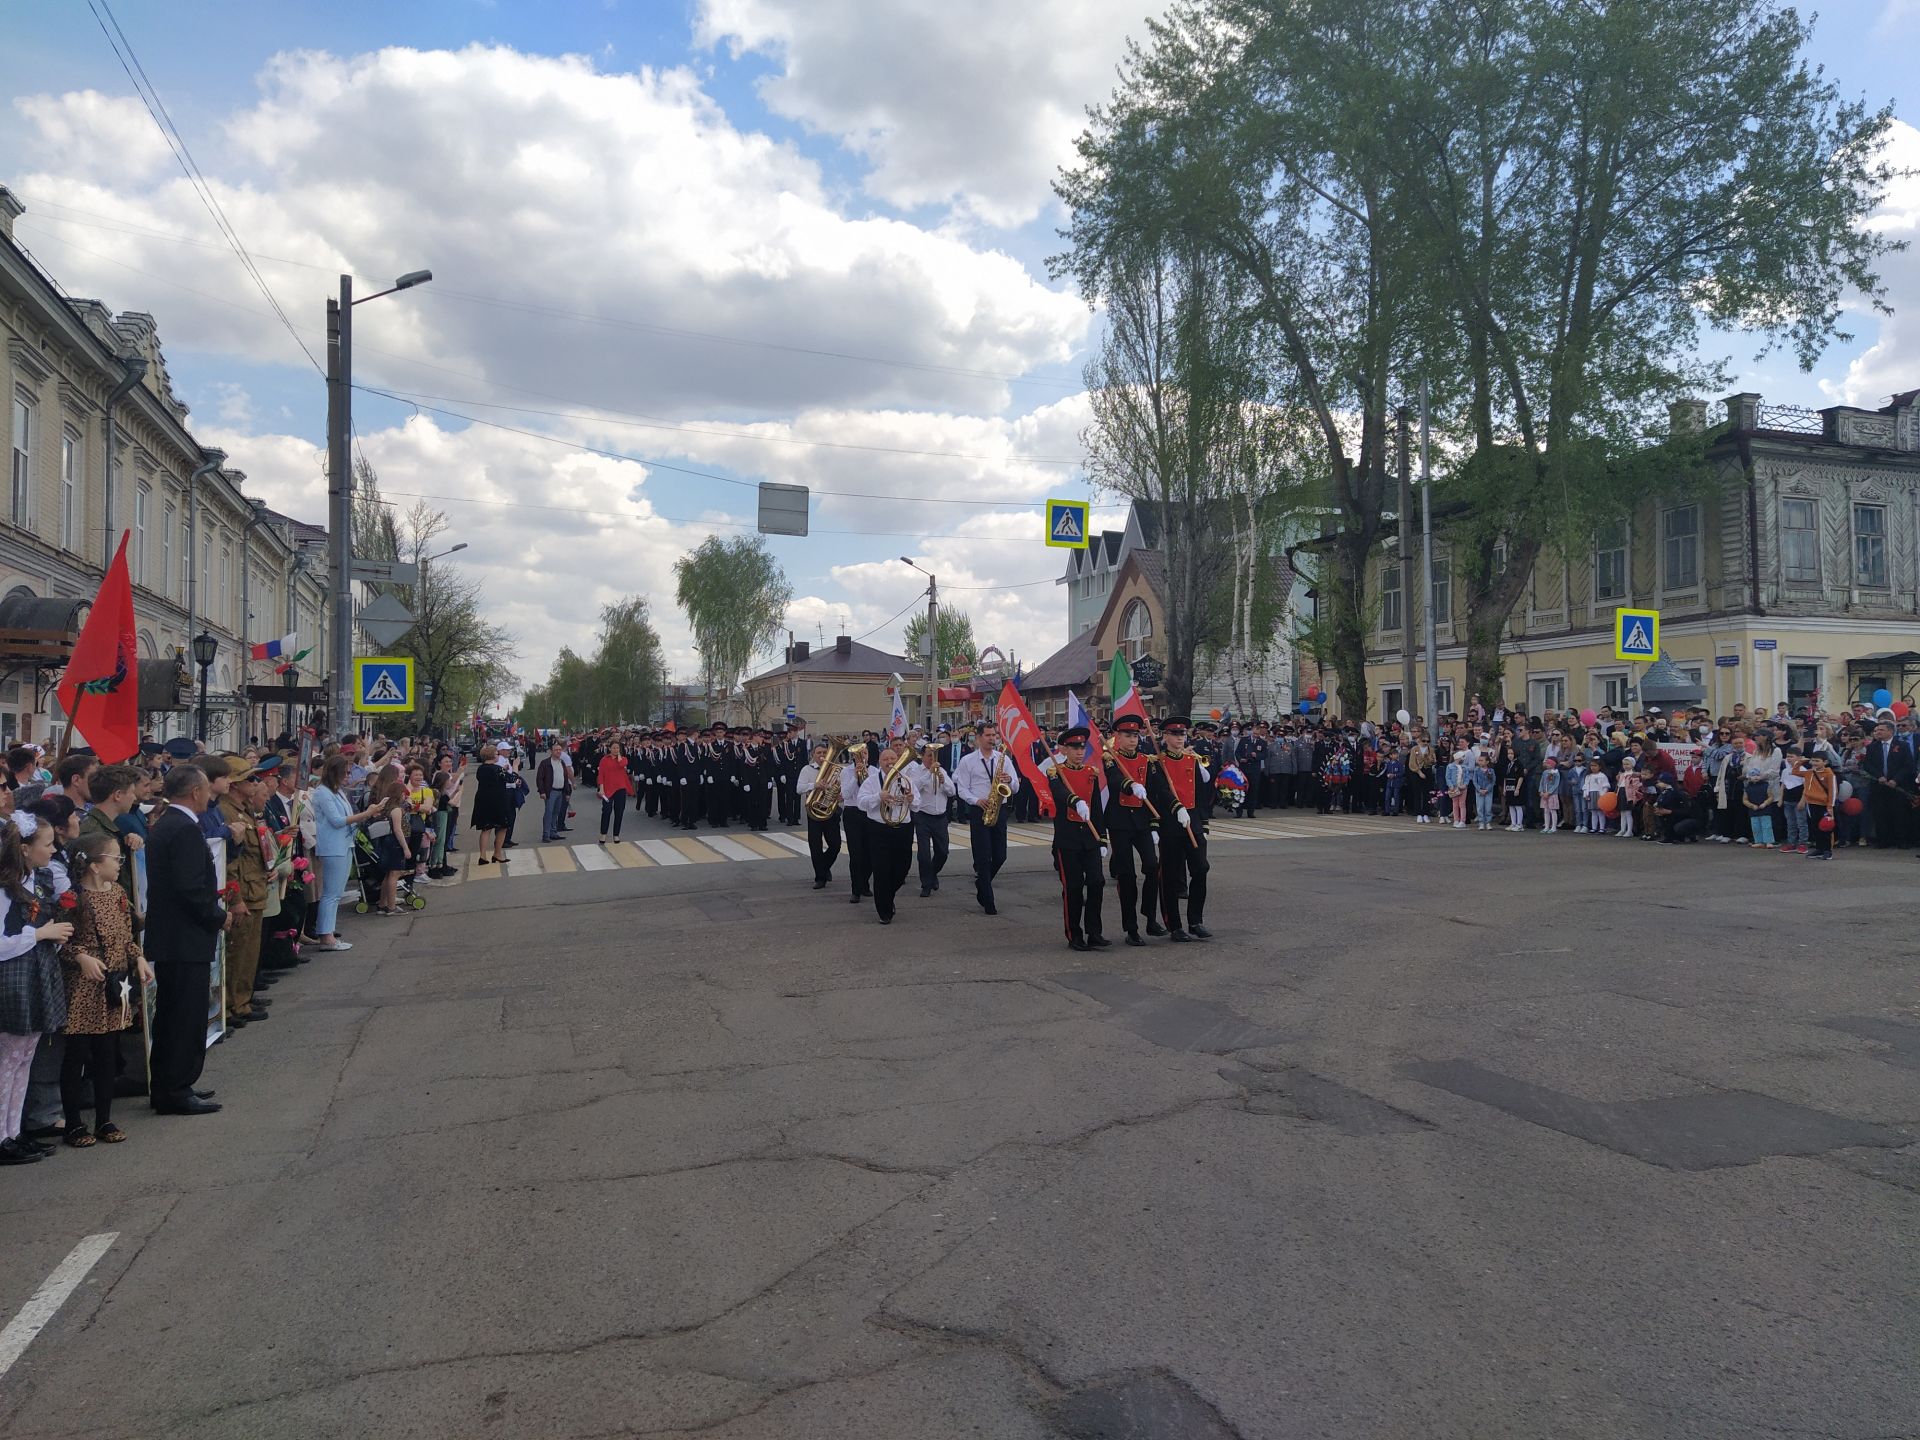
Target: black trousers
179, 1028
989, 844
1081, 883
930, 837
652, 799
789, 798
612, 807
1183, 873
891, 850
719, 795
823, 844
859, 861
88, 1065
1131, 844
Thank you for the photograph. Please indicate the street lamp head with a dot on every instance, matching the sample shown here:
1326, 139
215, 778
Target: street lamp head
413, 278
461, 546
205, 647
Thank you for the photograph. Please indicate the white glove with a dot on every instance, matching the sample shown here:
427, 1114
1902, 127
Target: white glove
1105, 853
1156, 838
1205, 774
1080, 809
683, 779
1181, 815
1139, 791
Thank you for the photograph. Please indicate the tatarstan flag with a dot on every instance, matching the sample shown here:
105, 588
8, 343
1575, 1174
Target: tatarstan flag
100, 690
1126, 699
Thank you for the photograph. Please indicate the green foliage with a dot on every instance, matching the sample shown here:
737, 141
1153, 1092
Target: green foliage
623, 683
953, 636
735, 596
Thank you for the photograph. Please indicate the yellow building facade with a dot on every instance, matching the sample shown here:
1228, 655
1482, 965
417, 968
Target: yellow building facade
1796, 576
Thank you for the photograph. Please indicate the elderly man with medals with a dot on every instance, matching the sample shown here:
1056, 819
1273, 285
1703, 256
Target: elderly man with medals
1175, 786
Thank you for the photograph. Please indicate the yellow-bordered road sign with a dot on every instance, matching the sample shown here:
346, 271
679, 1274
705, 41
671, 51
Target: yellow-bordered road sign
1067, 524
382, 684
1636, 635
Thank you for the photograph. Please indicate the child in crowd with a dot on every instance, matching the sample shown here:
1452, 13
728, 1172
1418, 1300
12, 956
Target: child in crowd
1760, 812
1394, 774
1515, 802
1483, 783
33, 1002
1793, 811
1631, 791
99, 964
1550, 797
1819, 791
1593, 785
1459, 781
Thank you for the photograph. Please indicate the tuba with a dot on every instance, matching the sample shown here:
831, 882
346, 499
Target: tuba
824, 798
998, 792
896, 792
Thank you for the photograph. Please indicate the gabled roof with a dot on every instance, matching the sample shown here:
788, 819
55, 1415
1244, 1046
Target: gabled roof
859, 660
1072, 664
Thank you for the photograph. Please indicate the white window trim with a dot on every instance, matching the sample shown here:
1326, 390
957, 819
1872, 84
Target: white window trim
1392, 563
31, 402
1854, 507
1597, 677
1596, 605
1817, 663
1780, 541
1442, 623
1660, 560
73, 501
1546, 677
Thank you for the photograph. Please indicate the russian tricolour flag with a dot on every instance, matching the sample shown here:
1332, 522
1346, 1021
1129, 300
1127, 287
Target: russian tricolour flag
273, 649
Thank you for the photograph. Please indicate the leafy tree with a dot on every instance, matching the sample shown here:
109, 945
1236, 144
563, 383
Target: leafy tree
624, 682
735, 596
952, 637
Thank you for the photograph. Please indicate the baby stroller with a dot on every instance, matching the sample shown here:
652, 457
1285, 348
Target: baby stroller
368, 870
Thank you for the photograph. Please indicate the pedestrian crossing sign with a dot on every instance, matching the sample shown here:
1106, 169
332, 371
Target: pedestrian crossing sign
1636, 635
382, 684
1067, 524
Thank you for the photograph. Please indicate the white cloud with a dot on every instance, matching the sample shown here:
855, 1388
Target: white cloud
546, 184
86, 133
1891, 365
974, 106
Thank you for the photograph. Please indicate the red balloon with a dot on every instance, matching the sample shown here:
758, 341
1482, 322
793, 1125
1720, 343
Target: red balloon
1900, 709
1608, 802
1852, 805
1826, 822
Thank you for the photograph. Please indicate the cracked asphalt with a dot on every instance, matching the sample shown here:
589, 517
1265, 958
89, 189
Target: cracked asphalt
1442, 1135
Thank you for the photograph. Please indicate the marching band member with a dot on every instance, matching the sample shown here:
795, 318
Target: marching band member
932, 792
1131, 832
974, 780
1079, 849
1175, 786
887, 800
853, 777
823, 835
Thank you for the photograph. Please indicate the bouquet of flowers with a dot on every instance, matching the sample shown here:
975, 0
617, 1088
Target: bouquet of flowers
1231, 787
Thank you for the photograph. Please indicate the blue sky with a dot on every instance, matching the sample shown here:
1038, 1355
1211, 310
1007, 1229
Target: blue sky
660, 240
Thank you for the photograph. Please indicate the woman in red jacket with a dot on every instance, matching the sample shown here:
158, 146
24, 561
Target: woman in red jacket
615, 785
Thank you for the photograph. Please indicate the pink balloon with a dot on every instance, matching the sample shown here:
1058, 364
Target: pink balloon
1587, 717
1752, 748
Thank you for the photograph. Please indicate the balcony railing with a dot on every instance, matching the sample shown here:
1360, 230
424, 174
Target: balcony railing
1793, 419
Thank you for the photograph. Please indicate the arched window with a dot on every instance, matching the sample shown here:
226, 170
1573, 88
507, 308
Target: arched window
1136, 630
147, 652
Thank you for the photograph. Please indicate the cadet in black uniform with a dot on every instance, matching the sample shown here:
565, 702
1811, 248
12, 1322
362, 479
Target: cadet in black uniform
1130, 830
1079, 850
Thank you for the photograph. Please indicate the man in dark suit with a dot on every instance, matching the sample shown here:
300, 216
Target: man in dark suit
184, 921
1889, 767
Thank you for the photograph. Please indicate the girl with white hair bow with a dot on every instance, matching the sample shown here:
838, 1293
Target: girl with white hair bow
33, 996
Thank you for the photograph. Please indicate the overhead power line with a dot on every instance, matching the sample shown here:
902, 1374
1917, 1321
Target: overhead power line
183, 156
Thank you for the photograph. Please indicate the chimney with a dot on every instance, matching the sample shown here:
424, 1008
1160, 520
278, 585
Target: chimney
10, 210
1743, 410
843, 645
1686, 417
798, 651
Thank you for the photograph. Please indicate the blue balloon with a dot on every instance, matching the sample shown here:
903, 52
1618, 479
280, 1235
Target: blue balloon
1882, 699
1306, 706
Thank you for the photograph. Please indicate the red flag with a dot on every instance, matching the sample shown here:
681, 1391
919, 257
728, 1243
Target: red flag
1017, 733
100, 690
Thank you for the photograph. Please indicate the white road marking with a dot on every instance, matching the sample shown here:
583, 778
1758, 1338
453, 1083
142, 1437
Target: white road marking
661, 851
732, 849
52, 1294
792, 842
592, 857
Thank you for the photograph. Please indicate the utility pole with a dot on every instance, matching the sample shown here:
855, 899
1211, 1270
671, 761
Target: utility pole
1426, 566
340, 497
933, 651
1404, 561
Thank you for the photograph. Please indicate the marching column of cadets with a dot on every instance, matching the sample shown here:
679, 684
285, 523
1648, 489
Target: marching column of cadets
108, 887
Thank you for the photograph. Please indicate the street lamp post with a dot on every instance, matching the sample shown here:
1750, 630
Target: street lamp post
205, 647
340, 477
932, 647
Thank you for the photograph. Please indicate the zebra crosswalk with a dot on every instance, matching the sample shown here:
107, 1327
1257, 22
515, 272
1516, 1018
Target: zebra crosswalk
745, 847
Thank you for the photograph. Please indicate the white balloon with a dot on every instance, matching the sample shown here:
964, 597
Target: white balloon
1846, 791
1403, 717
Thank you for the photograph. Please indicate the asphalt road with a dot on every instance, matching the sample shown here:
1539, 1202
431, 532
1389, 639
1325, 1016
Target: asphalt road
1443, 1135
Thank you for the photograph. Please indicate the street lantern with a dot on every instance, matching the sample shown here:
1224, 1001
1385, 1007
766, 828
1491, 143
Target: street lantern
205, 647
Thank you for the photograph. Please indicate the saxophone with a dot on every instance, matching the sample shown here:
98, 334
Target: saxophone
824, 798
896, 793
998, 793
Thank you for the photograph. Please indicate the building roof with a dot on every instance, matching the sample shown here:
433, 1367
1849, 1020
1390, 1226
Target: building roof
1072, 664
858, 660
